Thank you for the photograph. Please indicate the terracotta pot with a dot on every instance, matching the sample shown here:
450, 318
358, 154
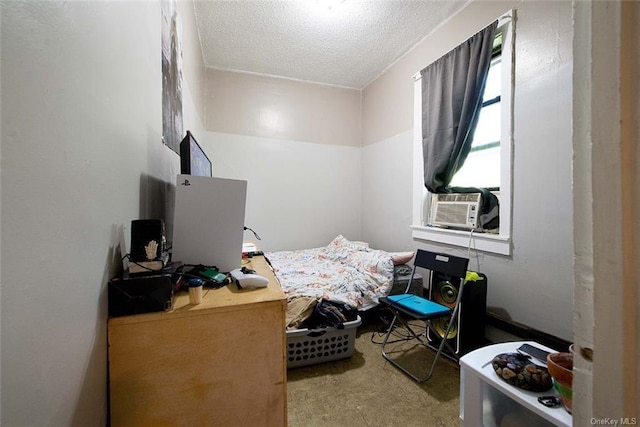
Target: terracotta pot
560, 366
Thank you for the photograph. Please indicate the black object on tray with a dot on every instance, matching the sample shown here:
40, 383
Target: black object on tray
517, 370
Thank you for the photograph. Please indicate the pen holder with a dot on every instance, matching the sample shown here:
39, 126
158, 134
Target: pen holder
195, 291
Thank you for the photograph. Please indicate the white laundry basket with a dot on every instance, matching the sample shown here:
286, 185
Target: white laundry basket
312, 346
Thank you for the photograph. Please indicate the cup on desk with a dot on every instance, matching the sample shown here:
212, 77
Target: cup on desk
195, 290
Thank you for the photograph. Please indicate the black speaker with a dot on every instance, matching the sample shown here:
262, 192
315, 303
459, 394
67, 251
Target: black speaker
136, 295
147, 240
467, 332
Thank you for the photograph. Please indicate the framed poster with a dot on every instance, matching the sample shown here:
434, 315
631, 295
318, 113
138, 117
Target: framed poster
172, 123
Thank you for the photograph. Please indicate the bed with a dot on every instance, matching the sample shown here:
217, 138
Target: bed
345, 275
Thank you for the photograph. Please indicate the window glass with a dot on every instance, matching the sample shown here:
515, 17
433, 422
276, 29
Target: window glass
492, 87
488, 129
482, 166
481, 169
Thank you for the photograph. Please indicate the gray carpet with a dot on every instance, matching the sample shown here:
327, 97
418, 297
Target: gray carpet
365, 390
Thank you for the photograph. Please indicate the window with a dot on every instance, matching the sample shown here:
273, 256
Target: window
489, 162
482, 166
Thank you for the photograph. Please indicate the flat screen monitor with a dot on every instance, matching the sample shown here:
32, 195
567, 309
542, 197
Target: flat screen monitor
193, 160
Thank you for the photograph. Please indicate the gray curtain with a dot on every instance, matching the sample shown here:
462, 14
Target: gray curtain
452, 89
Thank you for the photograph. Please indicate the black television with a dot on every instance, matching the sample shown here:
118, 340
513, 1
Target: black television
193, 160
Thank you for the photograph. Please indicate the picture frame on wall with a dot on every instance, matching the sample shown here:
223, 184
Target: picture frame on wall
172, 119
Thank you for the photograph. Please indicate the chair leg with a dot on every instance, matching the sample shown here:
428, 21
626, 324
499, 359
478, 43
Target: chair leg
420, 340
443, 341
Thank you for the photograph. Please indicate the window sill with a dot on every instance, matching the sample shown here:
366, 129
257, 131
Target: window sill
493, 243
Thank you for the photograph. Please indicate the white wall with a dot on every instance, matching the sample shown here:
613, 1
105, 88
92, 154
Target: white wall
81, 157
386, 192
299, 194
534, 286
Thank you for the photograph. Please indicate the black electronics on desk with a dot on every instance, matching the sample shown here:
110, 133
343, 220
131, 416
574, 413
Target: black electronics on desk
149, 254
131, 294
193, 159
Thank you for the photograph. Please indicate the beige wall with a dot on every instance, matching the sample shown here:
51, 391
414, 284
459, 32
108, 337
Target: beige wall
630, 154
268, 107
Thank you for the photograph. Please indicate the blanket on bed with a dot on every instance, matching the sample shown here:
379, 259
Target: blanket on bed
343, 271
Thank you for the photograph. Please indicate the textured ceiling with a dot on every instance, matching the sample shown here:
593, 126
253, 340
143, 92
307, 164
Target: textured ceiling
347, 45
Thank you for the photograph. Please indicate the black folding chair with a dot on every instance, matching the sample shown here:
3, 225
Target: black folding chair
425, 310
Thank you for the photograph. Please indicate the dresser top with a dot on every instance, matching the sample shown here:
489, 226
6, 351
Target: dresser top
228, 297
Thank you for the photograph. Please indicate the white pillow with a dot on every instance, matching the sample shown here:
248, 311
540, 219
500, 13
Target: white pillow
400, 258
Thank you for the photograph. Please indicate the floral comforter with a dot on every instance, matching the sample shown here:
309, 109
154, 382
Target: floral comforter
344, 271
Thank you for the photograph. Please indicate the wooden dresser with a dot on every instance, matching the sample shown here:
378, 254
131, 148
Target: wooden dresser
219, 363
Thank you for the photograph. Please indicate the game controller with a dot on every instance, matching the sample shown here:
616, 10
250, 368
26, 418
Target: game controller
246, 278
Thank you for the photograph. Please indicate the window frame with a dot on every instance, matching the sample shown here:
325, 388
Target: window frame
494, 243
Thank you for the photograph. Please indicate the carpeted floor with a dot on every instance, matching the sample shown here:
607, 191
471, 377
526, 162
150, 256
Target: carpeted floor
365, 390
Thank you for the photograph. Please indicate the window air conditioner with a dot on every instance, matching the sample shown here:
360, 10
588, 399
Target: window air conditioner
455, 210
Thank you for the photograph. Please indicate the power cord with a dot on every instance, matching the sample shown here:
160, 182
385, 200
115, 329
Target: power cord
399, 333
151, 270
475, 250
254, 233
